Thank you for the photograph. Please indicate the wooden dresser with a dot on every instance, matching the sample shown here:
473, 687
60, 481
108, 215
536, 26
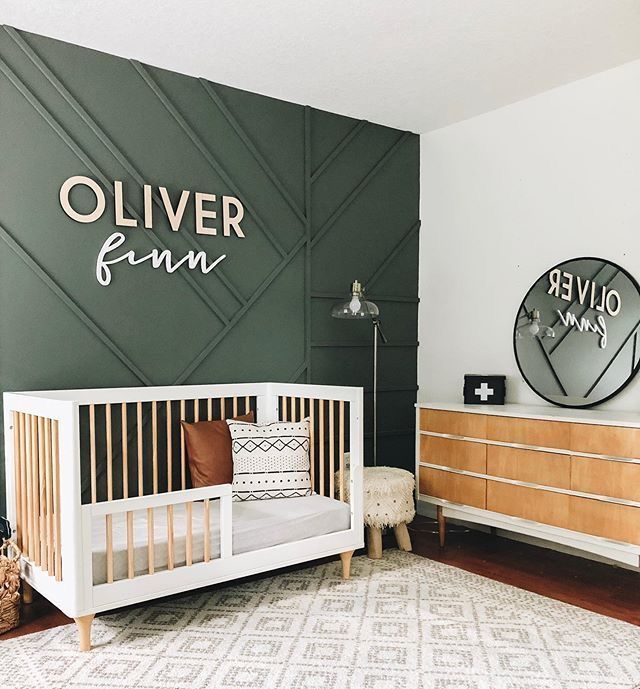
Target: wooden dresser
566, 476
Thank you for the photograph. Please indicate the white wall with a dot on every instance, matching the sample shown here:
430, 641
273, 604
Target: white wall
507, 195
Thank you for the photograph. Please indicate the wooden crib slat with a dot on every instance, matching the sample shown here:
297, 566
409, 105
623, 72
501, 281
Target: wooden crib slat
321, 446
109, 531
183, 454
332, 448
196, 410
17, 464
170, 542
294, 411
57, 527
154, 444
130, 546
48, 477
151, 551
189, 534
140, 448
42, 495
235, 407
341, 448
247, 404
312, 439
29, 487
125, 450
169, 449
92, 445
282, 402
207, 527
109, 437
36, 490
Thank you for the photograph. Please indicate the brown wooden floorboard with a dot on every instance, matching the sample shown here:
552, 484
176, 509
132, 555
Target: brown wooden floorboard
594, 586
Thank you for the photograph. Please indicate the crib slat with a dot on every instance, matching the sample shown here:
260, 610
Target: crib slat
55, 453
341, 448
125, 450
321, 446
169, 449
207, 527
247, 404
109, 530
140, 448
151, 551
170, 547
109, 437
332, 448
130, 546
312, 439
42, 495
235, 407
29, 501
183, 463
294, 411
36, 490
92, 444
189, 535
17, 461
154, 444
196, 410
283, 408
48, 512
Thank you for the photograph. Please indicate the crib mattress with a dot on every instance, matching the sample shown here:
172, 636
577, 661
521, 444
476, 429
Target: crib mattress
256, 524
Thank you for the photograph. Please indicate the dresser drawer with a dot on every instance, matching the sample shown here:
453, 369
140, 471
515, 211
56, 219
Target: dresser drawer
531, 466
453, 423
606, 519
606, 477
553, 434
457, 454
606, 440
466, 490
529, 503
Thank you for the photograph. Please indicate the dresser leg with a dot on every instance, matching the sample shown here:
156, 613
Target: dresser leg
442, 525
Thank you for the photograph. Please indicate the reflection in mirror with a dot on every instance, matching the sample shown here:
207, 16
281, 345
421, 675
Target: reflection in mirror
576, 332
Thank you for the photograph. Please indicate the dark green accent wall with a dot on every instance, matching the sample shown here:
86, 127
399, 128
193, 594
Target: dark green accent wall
327, 199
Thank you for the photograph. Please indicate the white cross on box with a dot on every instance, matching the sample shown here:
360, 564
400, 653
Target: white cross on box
484, 392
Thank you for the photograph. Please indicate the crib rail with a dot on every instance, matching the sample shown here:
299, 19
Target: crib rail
36, 469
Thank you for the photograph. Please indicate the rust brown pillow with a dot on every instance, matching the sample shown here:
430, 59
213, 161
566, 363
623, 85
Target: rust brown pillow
209, 451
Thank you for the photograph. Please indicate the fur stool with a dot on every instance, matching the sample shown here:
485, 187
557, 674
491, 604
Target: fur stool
388, 501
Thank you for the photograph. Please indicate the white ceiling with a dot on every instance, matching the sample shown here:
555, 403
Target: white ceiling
412, 64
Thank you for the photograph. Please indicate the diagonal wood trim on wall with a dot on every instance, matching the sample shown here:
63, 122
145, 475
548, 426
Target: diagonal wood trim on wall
327, 199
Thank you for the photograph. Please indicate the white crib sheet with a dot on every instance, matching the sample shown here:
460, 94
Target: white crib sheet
256, 524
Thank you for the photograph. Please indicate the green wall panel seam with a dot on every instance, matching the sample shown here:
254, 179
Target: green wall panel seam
95, 128
359, 188
89, 163
342, 144
205, 152
391, 255
42, 274
251, 147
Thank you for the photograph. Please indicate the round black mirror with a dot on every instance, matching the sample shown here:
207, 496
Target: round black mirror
576, 333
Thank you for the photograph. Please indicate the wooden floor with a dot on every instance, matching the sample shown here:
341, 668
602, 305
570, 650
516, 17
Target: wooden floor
591, 585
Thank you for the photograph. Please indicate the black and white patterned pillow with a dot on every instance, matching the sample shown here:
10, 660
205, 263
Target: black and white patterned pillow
270, 460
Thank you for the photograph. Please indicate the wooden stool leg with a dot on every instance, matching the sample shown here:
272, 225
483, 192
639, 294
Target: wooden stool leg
27, 593
374, 543
442, 525
402, 537
346, 563
84, 631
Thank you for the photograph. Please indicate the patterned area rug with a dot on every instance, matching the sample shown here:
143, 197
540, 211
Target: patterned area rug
402, 622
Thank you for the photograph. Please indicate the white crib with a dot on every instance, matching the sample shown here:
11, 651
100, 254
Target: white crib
97, 486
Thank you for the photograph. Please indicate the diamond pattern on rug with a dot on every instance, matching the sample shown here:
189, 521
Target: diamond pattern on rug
403, 622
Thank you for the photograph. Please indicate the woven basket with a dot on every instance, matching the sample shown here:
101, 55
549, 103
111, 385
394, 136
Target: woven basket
9, 586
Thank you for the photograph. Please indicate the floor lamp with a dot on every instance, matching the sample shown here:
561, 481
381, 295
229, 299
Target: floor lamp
358, 308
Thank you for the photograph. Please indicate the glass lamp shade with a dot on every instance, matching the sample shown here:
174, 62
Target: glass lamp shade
356, 307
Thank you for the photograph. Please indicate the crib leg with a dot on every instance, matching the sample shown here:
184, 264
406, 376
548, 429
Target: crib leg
84, 631
27, 593
346, 563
